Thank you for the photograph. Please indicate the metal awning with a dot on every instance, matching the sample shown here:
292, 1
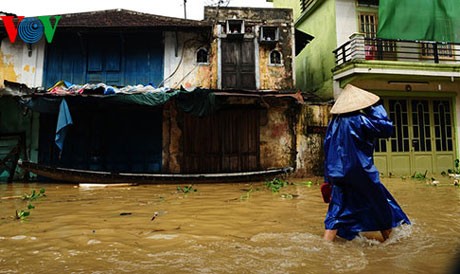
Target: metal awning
301, 40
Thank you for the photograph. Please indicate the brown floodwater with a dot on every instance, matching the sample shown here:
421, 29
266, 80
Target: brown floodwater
219, 228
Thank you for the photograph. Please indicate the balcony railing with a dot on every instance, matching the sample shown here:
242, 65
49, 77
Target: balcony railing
361, 48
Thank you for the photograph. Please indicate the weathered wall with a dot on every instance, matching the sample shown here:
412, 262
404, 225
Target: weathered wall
311, 128
276, 77
19, 64
277, 145
270, 77
315, 62
277, 134
181, 68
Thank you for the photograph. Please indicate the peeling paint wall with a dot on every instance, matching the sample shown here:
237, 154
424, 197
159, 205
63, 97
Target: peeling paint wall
276, 137
277, 76
181, 67
20, 63
311, 128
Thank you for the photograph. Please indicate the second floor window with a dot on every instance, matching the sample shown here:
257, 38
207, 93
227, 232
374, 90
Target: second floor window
275, 57
202, 56
368, 25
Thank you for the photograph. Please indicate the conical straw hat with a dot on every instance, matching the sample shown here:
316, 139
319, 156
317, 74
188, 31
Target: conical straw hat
353, 98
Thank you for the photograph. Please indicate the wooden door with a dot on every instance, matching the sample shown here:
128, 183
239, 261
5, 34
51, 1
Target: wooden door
226, 141
238, 64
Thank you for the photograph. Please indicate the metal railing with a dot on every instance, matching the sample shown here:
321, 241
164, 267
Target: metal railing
362, 48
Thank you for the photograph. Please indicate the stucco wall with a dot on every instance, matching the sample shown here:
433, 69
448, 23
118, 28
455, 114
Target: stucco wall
311, 127
181, 68
276, 77
277, 147
289, 4
314, 63
347, 20
19, 64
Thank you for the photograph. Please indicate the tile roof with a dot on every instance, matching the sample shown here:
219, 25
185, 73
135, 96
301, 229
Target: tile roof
120, 18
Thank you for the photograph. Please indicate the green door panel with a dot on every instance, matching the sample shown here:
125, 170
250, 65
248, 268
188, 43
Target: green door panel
422, 140
423, 163
400, 165
444, 162
380, 162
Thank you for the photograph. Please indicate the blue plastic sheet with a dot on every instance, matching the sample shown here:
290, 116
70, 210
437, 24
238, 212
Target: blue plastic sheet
360, 202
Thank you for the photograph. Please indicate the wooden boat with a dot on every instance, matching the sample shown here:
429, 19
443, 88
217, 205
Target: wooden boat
68, 175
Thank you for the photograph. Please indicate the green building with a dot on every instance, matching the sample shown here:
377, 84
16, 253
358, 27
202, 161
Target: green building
417, 79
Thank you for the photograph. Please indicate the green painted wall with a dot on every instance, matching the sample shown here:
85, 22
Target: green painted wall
315, 62
288, 4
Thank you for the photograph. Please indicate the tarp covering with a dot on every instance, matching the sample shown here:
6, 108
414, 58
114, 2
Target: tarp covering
197, 102
426, 20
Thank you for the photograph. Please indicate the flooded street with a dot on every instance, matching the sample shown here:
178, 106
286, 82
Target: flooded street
220, 228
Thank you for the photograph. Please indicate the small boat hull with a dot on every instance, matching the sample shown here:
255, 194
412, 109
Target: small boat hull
67, 175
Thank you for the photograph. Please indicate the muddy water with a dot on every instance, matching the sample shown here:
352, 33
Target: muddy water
221, 228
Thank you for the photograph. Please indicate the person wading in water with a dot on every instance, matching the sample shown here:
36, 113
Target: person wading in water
358, 202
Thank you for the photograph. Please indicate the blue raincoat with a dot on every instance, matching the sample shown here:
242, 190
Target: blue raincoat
360, 202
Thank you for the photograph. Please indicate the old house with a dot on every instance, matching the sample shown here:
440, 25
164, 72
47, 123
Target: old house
416, 79
207, 96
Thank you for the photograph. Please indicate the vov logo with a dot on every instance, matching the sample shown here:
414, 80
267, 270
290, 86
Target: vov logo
30, 29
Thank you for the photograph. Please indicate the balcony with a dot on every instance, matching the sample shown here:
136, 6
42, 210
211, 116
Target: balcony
384, 56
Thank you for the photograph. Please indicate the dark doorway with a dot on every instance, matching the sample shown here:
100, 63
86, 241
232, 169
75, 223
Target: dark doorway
107, 138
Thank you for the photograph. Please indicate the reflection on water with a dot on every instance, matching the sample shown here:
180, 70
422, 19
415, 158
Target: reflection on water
221, 228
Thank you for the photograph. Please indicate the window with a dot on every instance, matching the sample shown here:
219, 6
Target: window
368, 25
235, 26
202, 56
275, 57
269, 34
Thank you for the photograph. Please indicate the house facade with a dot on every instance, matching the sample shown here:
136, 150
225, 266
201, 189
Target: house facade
226, 87
417, 80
